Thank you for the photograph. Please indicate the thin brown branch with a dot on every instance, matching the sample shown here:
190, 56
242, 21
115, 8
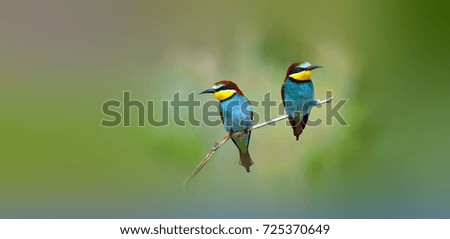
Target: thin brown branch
320, 102
217, 145
268, 122
205, 160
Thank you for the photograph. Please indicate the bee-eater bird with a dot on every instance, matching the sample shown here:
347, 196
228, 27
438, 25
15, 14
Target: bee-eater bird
237, 116
297, 93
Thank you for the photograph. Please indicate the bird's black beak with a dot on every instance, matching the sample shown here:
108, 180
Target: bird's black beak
312, 67
208, 91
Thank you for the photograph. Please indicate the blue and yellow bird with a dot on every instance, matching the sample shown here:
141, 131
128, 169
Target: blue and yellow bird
297, 93
237, 116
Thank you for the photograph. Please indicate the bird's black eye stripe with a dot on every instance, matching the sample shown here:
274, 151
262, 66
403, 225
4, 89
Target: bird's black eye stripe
226, 87
296, 70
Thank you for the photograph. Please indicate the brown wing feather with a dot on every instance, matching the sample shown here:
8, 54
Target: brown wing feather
304, 121
221, 116
298, 127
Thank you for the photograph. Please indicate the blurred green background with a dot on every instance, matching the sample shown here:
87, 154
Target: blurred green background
60, 60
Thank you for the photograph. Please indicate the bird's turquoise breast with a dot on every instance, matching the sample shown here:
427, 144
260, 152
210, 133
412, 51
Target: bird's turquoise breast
298, 97
236, 113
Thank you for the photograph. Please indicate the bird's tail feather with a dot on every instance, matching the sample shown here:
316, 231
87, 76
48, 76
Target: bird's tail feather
298, 127
245, 160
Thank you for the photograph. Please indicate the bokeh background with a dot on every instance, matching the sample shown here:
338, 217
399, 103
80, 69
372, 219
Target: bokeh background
60, 60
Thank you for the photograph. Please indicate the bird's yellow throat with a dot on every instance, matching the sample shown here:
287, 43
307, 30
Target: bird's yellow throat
224, 94
301, 76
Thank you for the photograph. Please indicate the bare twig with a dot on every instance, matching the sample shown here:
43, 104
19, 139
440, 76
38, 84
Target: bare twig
217, 145
205, 160
320, 102
268, 122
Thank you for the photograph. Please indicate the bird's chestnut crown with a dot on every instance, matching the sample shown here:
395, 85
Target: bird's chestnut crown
223, 90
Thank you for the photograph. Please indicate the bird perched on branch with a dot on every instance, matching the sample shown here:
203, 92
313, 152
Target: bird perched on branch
297, 93
237, 116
